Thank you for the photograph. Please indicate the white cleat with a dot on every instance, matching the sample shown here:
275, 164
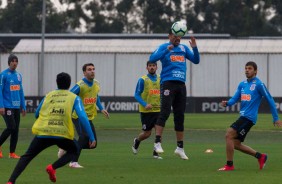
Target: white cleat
75, 165
61, 152
157, 157
158, 147
134, 150
180, 152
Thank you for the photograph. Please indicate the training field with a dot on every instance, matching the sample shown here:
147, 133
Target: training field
112, 162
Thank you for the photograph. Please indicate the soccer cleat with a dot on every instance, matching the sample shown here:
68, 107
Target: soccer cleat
156, 155
9, 182
158, 147
13, 155
61, 152
226, 168
51, 172
134, 149
75, 165
262, 160
180, 152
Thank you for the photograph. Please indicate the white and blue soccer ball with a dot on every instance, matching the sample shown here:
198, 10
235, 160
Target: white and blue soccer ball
179, 28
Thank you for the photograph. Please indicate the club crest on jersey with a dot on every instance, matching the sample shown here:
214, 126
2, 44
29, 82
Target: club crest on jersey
253, 87
166, 92
19, 77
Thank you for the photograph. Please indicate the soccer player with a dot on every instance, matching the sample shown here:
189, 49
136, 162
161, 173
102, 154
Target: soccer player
12, 103
54, 127
250, 92
87, 89
173, 57
147, 93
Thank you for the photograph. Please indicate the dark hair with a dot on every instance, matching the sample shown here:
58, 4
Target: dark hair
170, 31
253, 64
85, 66
149, 62
11, 58
63, 80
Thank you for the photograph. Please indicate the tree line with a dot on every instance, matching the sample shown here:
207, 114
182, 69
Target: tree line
239, 18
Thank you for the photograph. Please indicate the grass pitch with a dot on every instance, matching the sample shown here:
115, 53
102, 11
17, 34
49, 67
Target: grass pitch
112, 162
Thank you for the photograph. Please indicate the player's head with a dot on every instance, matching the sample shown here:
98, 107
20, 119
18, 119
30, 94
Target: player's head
89, 71
151, 67
175, 40
63, 80
13, 61
251, 69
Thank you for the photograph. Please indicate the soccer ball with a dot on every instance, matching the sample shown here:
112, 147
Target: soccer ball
179, 28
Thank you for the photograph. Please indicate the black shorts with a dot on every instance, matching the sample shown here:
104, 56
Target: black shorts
242, 126
173, 94
149, 120
83, 138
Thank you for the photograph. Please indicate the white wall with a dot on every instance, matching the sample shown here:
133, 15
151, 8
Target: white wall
216, 75
210, 76
104, 70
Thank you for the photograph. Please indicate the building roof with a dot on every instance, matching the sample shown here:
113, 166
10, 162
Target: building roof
220, 46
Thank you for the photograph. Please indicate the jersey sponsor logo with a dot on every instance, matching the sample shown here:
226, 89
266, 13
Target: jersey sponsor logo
89, 101
154, 91
16, 103
57, 111
178, 74
59, 95
253, 87
246, 97
57, 101
54, 122
15, 87
175, 58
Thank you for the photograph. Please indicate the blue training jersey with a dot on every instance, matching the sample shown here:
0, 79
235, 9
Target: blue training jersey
79, 109
11, 90
140, 88
174, 61
251, 92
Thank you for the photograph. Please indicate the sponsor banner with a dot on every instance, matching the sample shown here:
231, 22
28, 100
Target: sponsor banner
193, 105
213, 105
32, 102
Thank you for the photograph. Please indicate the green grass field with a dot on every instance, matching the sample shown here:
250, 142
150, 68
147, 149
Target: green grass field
112, 162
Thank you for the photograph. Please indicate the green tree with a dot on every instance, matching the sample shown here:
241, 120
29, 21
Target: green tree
244, 18
157, 16
104, 17
24, 16
276, 20
201, 16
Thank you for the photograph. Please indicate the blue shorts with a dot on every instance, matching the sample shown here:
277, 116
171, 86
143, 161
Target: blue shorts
242, 126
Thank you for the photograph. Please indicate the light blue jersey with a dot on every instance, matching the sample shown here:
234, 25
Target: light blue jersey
174, 61
251, 92
11, 90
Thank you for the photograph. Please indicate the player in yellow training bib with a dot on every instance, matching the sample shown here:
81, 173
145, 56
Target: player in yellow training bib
54, 126
87, 89
147, 94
